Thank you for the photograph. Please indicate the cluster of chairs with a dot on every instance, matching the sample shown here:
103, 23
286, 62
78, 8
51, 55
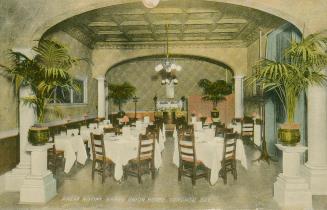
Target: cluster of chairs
193, 168
55, 157
137, 167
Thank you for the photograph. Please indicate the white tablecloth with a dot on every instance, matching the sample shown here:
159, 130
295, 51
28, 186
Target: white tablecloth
161, 140
257, 131
121, 149
74, 149
210, 152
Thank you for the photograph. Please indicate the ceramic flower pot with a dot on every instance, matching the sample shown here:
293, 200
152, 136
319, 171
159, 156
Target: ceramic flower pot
38, 135
289, 134
215, 113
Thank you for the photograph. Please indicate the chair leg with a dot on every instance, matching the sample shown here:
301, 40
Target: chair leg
139, 178
179, 174
225, 177
153, 172
125, 175
93, 168
103, 172
139, 174
193, 176
234, 171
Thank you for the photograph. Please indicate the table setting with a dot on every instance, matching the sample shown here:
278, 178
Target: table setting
74, 149
209, 150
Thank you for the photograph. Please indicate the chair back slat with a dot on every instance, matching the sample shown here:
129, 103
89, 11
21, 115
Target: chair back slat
146, 146
230, 145
247, 127
186, 145
97, 143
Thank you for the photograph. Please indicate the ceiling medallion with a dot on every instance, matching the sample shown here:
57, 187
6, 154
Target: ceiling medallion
150, 3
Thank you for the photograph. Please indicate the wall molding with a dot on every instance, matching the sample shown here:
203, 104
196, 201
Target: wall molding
9, 133
173, 44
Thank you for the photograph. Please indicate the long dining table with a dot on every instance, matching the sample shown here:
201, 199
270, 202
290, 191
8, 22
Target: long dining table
209, 150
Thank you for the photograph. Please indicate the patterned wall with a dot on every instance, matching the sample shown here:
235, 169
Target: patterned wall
141, 74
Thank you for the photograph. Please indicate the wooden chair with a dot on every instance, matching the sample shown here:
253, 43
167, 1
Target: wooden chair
55, 157
228, 164
151, 128
100, 162
144, 163
219, 124
74, 126
110, 130
247, 128
189, 166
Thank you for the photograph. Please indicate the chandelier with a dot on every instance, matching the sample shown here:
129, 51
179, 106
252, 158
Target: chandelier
167, 67
150, 3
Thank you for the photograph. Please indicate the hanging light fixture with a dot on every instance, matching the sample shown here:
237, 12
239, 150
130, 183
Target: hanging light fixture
169, 69
150, 3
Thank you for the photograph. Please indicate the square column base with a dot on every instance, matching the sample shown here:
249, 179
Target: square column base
292, 192
14, 179
38, 189
316, 177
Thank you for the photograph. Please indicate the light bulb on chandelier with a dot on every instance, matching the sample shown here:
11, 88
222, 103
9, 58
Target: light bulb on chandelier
167, 68
150, 3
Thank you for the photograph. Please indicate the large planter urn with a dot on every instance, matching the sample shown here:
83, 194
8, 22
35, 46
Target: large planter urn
289, 134
38, 135
215, 113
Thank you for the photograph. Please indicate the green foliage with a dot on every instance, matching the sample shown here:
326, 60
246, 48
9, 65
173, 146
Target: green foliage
307, 59
214, 91
46, 71
121, 93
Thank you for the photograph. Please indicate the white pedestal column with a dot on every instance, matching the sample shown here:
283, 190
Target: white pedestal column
101, 97
14, 179
39, 186
239, 93
291, 191
315, 170
107, 102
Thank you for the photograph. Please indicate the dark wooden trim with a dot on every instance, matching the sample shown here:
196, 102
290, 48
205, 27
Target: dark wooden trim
9, 153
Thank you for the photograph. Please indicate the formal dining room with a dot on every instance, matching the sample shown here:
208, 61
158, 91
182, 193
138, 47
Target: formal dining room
163, 104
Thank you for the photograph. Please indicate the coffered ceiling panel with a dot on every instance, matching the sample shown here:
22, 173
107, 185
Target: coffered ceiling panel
183, 21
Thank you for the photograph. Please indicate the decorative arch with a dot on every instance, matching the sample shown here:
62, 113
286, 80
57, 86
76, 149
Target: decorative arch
201, 58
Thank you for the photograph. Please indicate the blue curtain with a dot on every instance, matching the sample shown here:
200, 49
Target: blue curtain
277, 42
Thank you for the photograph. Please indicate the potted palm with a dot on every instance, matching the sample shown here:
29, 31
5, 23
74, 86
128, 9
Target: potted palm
120, 94
43, 73
215, 92
305, 61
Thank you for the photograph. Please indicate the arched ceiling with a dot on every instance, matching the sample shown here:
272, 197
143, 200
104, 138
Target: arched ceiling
188, 21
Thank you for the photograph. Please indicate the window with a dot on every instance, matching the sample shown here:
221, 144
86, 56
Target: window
64, 96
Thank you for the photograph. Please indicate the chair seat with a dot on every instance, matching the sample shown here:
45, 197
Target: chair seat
135, 160
198, 162
60, 153
100, 158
